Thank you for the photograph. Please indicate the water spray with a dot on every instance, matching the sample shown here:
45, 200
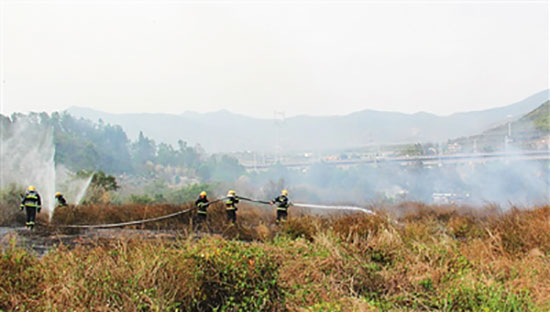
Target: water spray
367, 211
82, 192
28, 158
314, 206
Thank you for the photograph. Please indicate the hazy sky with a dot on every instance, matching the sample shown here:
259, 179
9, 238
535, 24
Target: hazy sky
257, 57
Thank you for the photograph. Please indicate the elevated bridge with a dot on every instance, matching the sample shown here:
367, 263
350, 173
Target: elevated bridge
424, 160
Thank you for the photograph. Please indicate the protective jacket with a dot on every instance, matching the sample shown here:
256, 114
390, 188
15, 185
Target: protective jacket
281, 202
202, 204
31, 200
230, 202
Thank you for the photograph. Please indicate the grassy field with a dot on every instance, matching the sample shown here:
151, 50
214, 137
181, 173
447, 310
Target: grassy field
411, 257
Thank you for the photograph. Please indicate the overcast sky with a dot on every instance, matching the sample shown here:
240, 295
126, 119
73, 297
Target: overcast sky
257, 57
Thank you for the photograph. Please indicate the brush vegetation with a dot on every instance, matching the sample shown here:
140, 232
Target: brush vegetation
426, 258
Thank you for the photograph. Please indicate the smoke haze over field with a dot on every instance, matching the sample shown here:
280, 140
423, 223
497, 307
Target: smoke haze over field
502, 182
27, 154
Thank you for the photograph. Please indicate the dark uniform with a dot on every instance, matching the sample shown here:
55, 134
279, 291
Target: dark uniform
61, 200
282, 204
202, 205
230, 208
32, 203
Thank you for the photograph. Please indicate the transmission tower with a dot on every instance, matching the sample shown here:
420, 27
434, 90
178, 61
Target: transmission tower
279, 119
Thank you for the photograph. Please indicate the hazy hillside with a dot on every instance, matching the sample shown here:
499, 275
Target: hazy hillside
528, 132
224, 131
541, 117
537, 120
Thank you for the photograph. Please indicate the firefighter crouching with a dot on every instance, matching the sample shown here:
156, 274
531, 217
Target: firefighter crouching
230, 207
282, 203
202, 205
32, 204
61, 201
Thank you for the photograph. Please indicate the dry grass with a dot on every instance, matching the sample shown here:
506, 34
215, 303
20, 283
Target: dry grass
431, 259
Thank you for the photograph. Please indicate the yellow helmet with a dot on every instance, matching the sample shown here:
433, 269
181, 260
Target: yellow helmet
203, 193
31, 188
284, 192
230, 193
57, 194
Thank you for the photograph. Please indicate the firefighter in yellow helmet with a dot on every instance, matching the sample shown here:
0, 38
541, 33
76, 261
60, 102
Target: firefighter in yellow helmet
282, 203
32, 204
61, 201
230, 206
202, 204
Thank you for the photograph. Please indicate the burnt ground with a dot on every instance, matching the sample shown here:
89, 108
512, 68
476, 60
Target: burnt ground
41, 240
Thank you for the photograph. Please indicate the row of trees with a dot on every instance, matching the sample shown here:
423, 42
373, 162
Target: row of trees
84, 145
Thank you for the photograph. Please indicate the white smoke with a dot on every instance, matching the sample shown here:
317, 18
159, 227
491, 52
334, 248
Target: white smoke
514, 181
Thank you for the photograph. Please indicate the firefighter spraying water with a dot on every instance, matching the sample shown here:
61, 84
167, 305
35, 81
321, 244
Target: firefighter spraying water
61, 201
282, 203
231, 207
202, 205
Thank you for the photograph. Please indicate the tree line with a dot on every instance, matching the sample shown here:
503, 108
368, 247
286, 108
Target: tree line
81, 144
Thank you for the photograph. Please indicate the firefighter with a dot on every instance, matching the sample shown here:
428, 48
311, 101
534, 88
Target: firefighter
282, 203
202, 204
60, 199
32, 204
230, 207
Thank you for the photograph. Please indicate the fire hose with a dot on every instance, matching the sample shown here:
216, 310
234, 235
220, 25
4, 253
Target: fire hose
175, 214
114, 225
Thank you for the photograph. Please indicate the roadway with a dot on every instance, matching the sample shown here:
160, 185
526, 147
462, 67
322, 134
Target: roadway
426, 160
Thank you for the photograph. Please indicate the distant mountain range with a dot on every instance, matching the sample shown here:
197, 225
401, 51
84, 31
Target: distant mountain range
224, 131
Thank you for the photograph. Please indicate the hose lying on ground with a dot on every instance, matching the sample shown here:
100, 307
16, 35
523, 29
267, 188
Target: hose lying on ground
114, 225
